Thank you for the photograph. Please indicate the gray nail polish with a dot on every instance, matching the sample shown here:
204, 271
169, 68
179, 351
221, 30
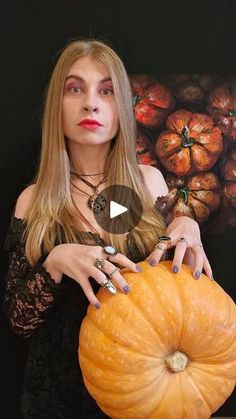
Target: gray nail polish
97, 305
152, 263
138, 269
175, 269
212, 277
126, 288
197, 275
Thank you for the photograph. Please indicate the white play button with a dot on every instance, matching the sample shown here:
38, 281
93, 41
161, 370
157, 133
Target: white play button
116, 209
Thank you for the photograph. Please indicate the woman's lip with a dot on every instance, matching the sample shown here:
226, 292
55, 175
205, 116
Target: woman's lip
89, 122
89, 126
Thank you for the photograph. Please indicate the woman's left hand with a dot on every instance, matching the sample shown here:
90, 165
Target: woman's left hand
185, 237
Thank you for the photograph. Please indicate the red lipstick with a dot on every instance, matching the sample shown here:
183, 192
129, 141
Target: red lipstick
90, 123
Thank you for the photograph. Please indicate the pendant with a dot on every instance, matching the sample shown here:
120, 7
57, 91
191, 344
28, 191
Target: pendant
97, 204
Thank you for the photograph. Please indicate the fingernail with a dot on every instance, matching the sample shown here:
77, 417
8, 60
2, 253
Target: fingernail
175, 269
152, 262
138, 269
126, 289
97, 305
197, 275
212, 277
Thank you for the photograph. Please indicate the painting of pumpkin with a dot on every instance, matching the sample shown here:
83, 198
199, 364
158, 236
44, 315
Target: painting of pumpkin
145, 150
229, 167
153, 101
192, 88
222, 107
195, 197
166, 350
191, 143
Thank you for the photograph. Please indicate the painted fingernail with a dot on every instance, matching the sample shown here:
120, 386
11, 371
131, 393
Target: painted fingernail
197, 275
175, 269
97, 305
126, 289
212, 277
138, 269
152, 262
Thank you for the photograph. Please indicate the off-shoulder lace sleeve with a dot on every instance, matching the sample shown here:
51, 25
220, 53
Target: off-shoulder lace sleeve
30, 291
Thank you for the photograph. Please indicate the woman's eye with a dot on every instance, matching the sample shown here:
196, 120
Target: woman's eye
107, 91
75, 89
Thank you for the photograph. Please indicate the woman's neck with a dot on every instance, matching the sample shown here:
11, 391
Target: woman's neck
87, 160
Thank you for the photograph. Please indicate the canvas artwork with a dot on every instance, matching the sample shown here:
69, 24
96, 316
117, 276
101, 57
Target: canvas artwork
187, 128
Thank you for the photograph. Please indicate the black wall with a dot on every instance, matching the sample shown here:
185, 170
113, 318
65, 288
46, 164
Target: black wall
152, 37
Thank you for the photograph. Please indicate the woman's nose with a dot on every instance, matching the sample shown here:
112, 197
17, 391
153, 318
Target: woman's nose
91, 102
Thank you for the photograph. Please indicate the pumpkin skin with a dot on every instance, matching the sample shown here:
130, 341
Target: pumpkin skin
192, 88
124, 346
145, 150
152, 100
191, 143
195, 197
222, 107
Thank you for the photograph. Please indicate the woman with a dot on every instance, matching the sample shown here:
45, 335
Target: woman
59, 255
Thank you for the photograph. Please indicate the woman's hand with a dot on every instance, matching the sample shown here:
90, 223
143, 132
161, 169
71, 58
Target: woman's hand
78, 262
188, 250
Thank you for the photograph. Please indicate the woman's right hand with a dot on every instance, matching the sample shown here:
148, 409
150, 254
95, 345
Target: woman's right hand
77, 261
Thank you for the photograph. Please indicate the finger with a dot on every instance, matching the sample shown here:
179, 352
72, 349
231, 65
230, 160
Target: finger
124, 261
154, 258
88, 290
114, 275
180, 251
207, 268
198, 260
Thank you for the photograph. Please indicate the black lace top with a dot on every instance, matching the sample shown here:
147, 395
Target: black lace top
51, 315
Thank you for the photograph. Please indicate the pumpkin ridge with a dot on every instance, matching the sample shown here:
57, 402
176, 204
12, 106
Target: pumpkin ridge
194, 385
94, 324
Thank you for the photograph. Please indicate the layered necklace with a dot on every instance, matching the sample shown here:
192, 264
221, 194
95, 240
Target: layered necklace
96, 201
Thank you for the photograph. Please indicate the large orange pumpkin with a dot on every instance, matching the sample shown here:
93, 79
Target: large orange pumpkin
191, 143
167, 350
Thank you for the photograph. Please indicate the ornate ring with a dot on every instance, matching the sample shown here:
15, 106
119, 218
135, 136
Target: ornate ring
110, 250
112, 273
183, 240
159, 246
109, 286
99, 263
164, 239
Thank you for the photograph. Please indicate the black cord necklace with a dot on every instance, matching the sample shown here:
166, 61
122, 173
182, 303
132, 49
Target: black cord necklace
96, 201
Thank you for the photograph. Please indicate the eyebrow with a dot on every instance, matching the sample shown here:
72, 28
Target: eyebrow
73, 76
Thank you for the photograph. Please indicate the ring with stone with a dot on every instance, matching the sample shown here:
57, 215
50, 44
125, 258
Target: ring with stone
183, 240
99, 263
109, 286
164, 239
110, 250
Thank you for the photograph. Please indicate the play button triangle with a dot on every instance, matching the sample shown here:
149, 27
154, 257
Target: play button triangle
116, 209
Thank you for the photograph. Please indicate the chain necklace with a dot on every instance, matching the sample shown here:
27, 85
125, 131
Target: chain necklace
96, 201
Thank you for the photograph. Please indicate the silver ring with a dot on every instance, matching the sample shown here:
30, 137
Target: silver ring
183, 240
110, 250
109, 286
115, 270
99, 263
159, 246
164, 239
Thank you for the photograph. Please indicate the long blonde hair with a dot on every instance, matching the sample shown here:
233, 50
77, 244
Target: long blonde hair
52, 217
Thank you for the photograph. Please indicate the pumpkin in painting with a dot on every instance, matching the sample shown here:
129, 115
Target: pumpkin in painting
222, 107
190, 144
192, 88
229, 168
167, 350
195, 197
152, 100
145, 150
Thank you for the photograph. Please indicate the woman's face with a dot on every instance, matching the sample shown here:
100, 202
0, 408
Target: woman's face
89, 110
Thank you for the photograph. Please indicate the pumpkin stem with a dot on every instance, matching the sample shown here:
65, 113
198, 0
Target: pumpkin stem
136, 99
186, 140
176, 361
184, 193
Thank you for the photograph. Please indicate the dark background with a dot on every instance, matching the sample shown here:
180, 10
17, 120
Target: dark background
152, 37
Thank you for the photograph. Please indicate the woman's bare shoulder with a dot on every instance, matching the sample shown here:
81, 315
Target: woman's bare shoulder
24, 201
154, 179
